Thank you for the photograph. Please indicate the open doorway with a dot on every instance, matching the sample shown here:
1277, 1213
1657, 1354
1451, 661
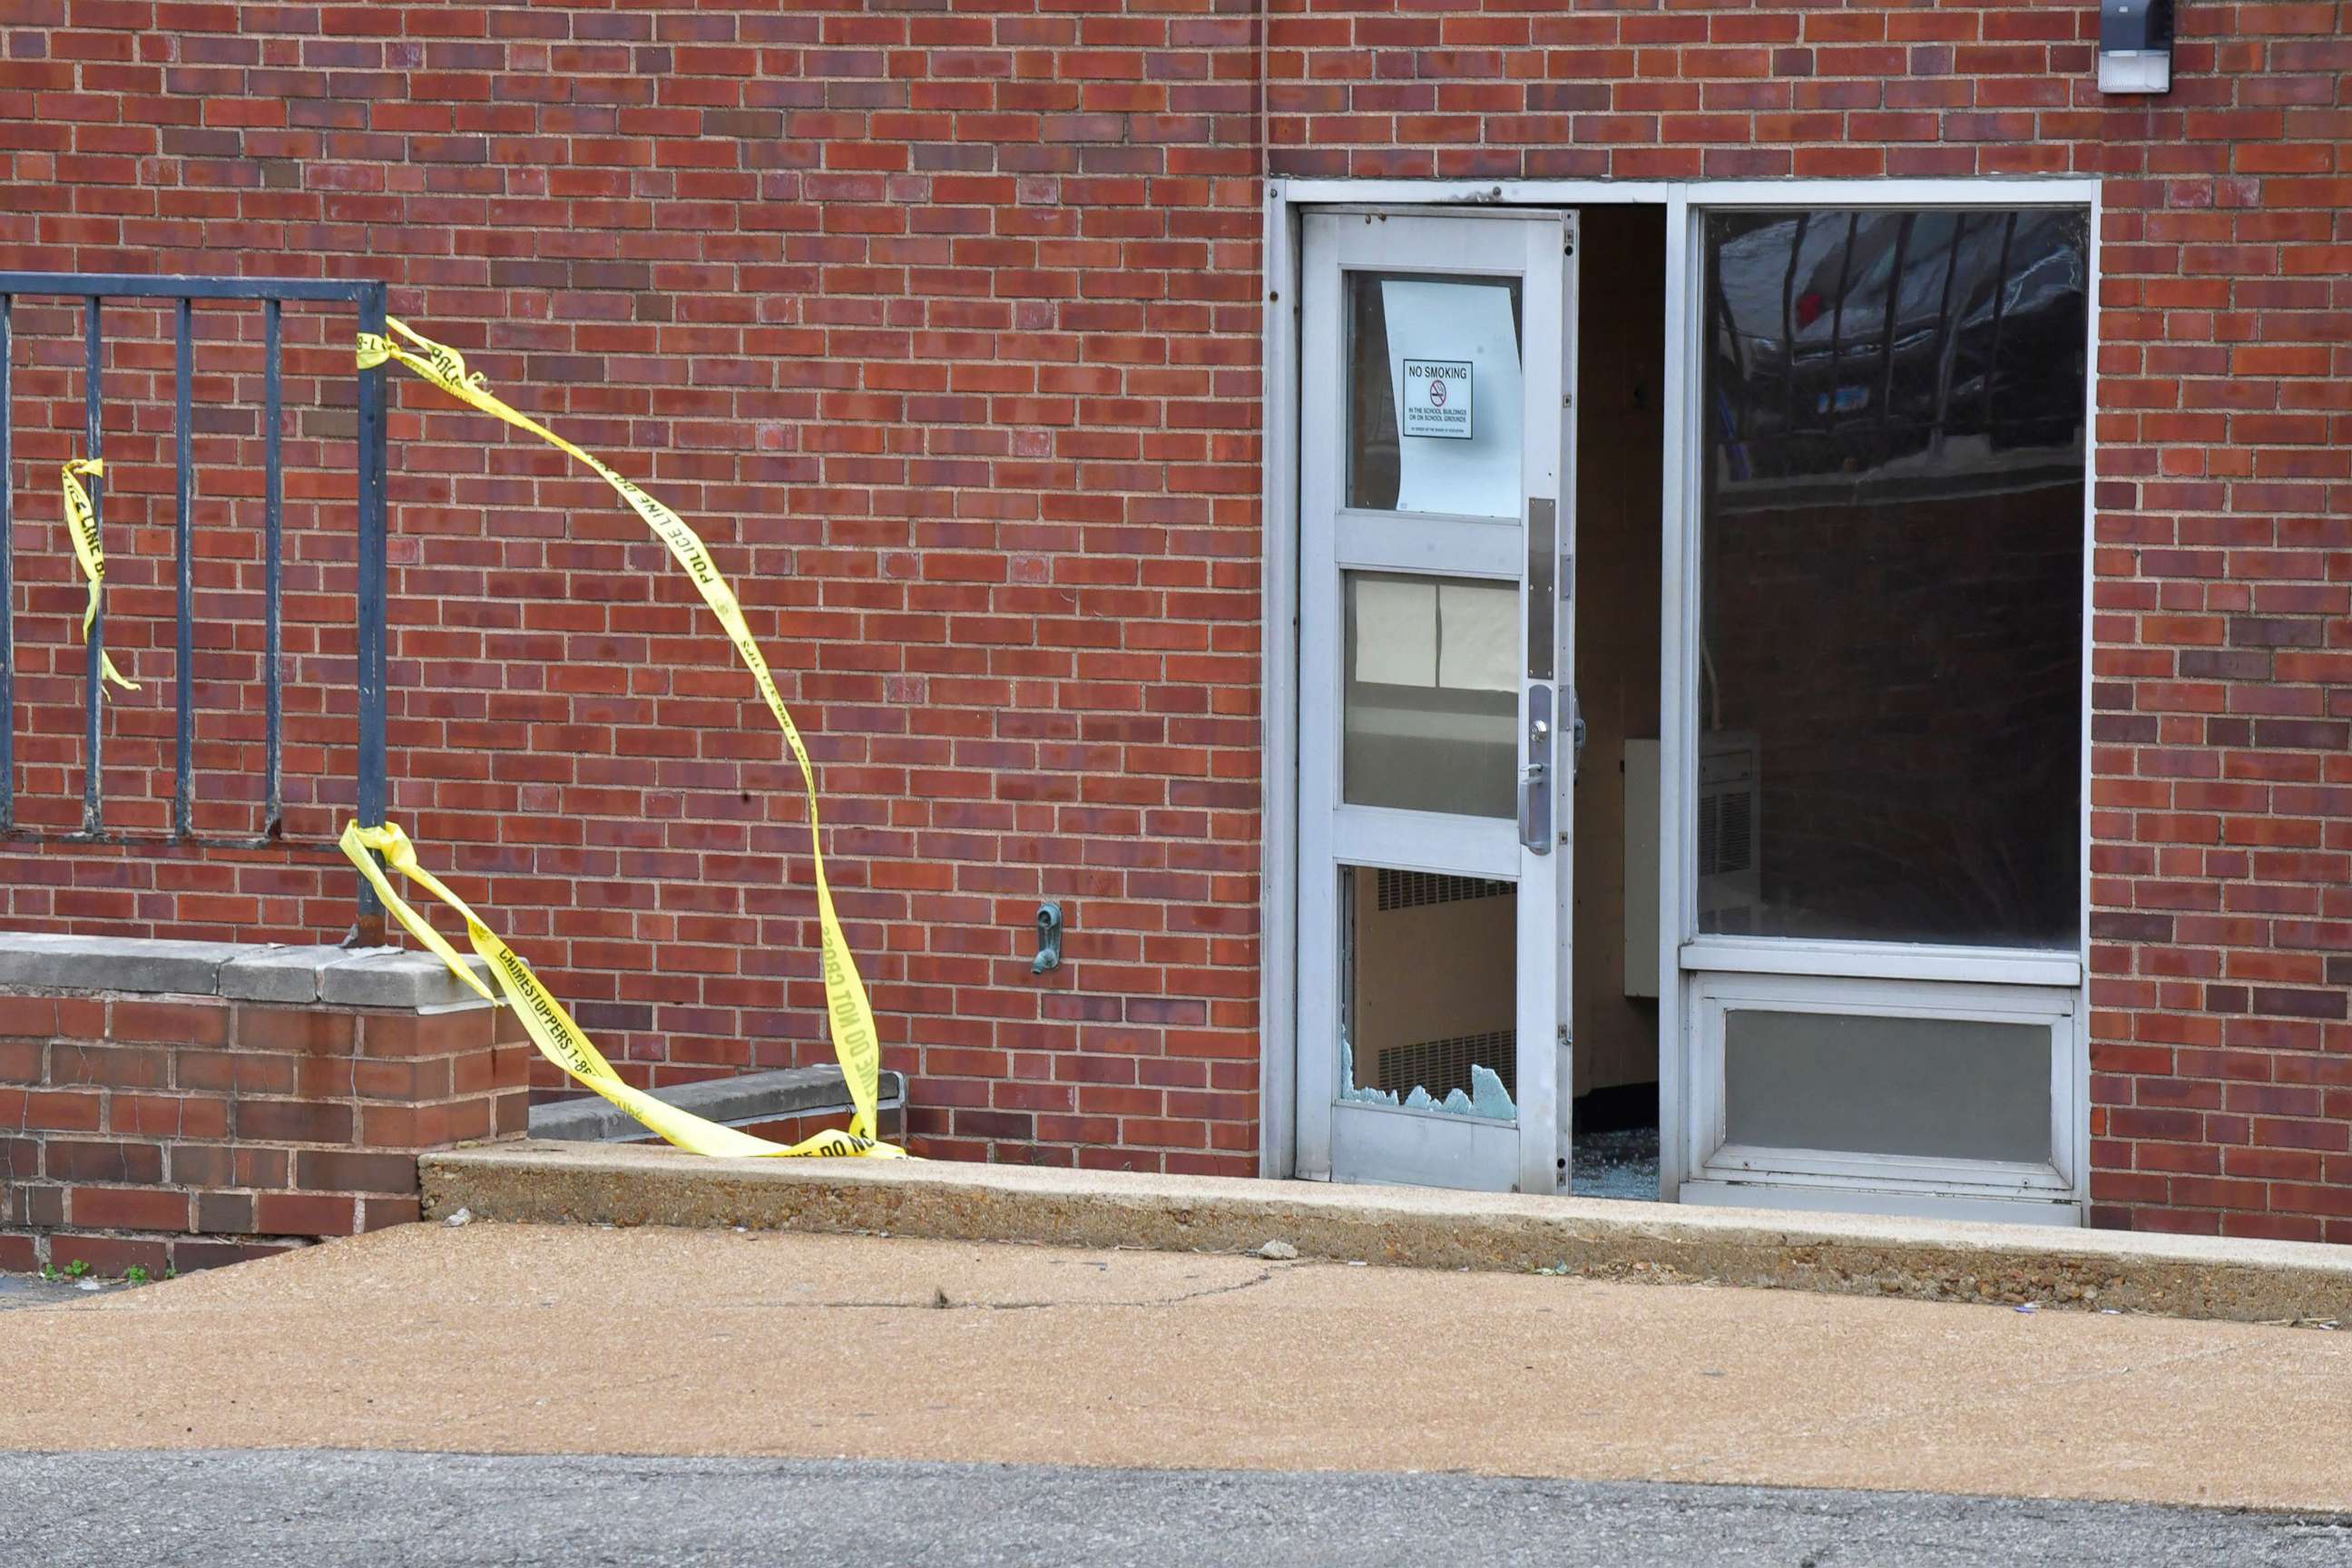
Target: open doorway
1619, 435
1537, 360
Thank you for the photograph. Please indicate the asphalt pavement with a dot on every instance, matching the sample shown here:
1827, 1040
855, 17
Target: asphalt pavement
359, 1510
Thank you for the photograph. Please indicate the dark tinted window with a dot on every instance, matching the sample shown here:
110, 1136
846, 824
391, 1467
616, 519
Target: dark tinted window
1890, 691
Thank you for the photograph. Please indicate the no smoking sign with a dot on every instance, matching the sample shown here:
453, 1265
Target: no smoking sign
1437, 398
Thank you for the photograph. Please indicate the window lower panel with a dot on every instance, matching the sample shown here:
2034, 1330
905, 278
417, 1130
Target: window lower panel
1890, 1084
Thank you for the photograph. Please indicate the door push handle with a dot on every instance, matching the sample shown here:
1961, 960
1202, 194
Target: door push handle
1535, 778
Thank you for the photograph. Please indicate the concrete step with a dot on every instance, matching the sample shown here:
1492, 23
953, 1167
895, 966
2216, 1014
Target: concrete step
755, 1101
629, 1184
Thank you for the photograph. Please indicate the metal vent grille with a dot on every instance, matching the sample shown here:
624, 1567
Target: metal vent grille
1727, 833
1735, 846
1438, 1065
1412, 889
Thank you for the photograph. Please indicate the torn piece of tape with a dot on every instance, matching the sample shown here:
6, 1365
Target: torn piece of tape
82, 522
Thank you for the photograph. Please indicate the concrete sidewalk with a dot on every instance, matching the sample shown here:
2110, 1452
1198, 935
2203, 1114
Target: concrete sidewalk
2253, 1281
523, 1338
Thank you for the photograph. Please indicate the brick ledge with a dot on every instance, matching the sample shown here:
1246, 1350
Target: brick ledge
350, 977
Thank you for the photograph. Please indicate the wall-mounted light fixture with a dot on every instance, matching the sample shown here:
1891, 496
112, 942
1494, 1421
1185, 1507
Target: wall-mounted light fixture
2135, 46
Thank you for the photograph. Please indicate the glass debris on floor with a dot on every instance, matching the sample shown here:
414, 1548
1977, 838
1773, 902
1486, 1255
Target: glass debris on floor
1487, 1097
1620, 1163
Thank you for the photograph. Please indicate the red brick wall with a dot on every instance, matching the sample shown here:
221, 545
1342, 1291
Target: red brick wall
941, 327
190, 1132
943, 323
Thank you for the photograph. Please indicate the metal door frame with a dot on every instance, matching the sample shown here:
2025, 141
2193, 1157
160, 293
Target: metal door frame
1284, 201
1394, 1144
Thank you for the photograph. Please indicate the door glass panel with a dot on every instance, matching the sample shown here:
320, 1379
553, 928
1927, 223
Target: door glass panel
1430, 716
1429, 992
1965, 1089
1433, 394
1892, 619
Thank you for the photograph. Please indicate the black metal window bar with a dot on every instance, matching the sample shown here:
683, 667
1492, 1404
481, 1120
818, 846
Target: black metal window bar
94, 290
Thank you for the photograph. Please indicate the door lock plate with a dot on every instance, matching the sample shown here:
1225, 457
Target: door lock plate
1543, 559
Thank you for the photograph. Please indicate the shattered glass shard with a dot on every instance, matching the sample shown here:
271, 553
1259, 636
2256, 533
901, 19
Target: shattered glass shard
1487, 1098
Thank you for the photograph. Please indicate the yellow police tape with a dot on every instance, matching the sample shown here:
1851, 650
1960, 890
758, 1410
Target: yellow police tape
81, 520
850, 1016
551, 1029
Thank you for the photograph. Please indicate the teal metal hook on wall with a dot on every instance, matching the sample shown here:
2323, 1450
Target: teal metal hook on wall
1049, 939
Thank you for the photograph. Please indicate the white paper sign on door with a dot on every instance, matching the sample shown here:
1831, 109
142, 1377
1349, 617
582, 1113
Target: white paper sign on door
1473, 467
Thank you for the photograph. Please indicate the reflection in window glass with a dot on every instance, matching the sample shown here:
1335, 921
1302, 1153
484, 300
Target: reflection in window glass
1434, 393
1890, 691
1430, 716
